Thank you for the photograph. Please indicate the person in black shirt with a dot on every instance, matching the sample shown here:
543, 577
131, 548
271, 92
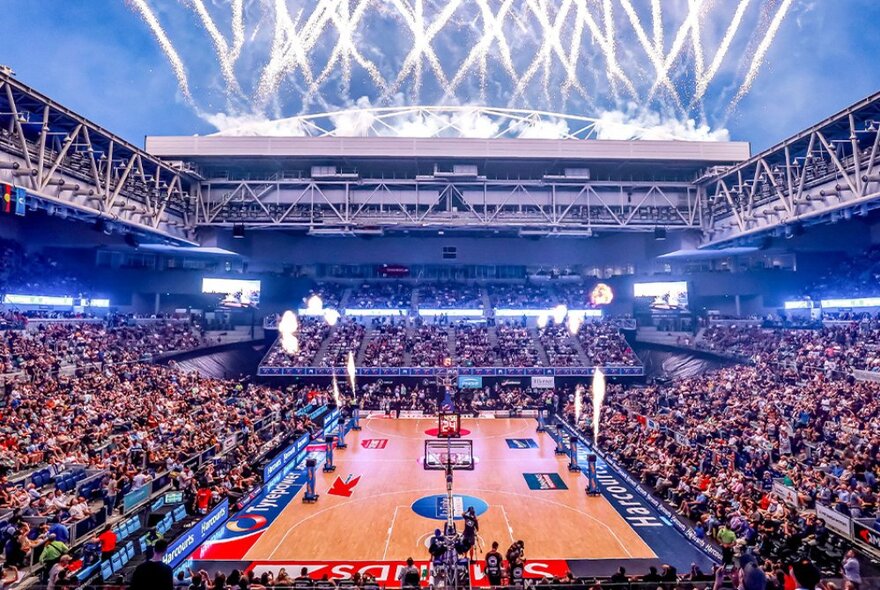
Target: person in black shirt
471, 526
154, 574
437, 549
515, 562
493, 565
303, 580
652, 577
620, 576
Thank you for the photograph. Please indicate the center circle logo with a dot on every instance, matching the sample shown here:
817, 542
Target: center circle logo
435, 506
246, 523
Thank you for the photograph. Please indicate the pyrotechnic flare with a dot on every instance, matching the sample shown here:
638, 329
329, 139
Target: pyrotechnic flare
287, 328
574, 323
578, 403
335, 390
598, 400
351, 373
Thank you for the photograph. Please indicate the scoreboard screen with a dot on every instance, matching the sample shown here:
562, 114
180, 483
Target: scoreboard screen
449, 426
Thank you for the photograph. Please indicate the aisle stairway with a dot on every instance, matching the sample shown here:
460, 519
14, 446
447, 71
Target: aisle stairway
582, 355
368, 334
407, 353
316, 361
493, 343
536, 342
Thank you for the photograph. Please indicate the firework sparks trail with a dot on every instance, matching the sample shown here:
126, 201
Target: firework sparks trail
606, 43
346, 23
691, 23
336, 397
758, 59
558, 46
421, 47
221, 47
598, 400
352, 373
146, 13
655, 58
704, 81
493, 30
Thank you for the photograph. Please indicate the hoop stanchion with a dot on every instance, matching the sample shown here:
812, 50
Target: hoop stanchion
592, 480
310, 495
328, 454
355, 417
340, 442
573, 454
560, 441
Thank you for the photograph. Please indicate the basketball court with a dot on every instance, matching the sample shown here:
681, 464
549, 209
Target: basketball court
381, 505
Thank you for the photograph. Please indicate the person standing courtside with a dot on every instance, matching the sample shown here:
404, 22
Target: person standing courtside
516, 559
494, 562
154, 574
471, 526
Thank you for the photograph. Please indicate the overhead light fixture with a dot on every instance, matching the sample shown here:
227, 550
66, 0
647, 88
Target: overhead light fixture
659, 233
238, 231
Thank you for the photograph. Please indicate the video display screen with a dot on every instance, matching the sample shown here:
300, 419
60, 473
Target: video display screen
663, 295
237, 293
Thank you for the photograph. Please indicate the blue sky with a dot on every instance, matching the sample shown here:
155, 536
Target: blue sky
100, 59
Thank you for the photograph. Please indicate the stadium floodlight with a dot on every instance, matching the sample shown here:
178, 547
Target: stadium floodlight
331, 316
559, 312
315, 304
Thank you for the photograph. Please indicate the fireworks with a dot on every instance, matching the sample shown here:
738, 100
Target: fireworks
336, 397
277, 55
352, 372
598, 400
287, 329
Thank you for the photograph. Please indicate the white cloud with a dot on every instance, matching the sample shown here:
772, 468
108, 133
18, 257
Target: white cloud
619, 124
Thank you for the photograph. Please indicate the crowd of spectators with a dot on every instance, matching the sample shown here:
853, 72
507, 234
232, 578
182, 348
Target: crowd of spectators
854, 276
838, 348
312, 332
450, 296
46, 347
472, 346
561, 351
527, 296
387, 295
34, 273
386, 344
345, 338
397, 342
516, 348
130, 421
712, 446
604, 345
748, 574
429, 345
330, 294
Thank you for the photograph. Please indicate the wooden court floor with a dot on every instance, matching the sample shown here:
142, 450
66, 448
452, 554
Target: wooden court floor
377, 522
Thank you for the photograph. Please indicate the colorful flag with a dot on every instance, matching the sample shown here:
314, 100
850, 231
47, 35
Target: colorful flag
7, 198
20, 201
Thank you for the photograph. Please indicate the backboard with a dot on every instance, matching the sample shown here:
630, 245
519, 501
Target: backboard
439, 453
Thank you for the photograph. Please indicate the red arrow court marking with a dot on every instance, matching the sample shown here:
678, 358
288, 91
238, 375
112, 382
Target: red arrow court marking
343, 488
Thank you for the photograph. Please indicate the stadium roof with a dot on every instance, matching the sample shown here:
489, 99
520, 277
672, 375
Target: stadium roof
443, 147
